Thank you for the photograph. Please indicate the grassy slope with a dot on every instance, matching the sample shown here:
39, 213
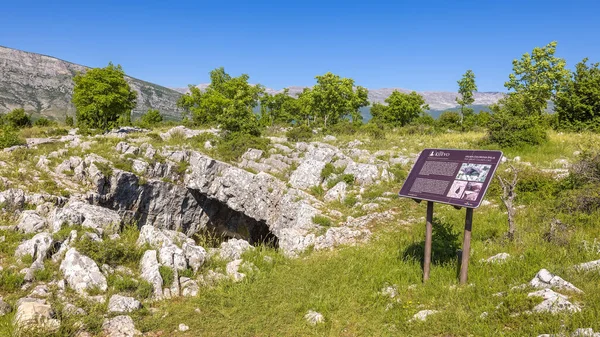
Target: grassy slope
344, 284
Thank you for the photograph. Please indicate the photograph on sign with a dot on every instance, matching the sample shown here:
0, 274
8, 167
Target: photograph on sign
455, 177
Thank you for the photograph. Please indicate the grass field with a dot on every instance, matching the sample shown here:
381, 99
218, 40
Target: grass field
345, 284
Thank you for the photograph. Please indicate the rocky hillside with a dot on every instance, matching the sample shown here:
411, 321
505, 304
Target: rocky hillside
44, 85
437, 100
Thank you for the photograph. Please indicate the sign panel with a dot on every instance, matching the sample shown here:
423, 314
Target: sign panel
454, 177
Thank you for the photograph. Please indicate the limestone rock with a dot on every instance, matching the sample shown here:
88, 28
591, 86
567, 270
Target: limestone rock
149, 269
189, 287
173, 257
233, 249
120, 326
81, 272
233, 270
336, 236
589, 266
337, 192
31, 222
35, 314
308, 174
123, 304
422, 315
314, 318
38, 247
545, 279
5, 308
364, 174
157, 238
195, 256
12, 198
90, 216
498, 258
553, 302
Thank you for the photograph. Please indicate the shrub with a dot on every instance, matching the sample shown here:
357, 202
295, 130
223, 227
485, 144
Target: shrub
513, 131
43, 121
17, 119
513, 123
374, 130
317, 191
343, 127
232, 147
9, 137
11, 280
300, 133
151, 118
322, 220
69, 121
110, 252
327, 171
449, 120
167, 274
144, 290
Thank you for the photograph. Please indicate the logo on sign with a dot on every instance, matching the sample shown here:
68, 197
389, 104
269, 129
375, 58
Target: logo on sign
439, 154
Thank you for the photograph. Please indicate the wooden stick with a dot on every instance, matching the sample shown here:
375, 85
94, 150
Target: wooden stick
428, 233
464, 266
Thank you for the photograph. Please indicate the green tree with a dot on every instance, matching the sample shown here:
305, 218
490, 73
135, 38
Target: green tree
228, 101
578, 102
151, 118
537, 77
9, 136
401, 109
334, 98
102, 96
512, 125
17, 118
466, 87
278, 108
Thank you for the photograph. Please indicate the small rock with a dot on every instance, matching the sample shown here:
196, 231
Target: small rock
233, 249
120, 326
35, 314
498, 258
313, 318
5, 308
233, 270
123, 304
422, 315
545, 279
81, 272
183, 327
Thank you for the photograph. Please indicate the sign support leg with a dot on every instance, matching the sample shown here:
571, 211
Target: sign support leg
428, 233
464, 266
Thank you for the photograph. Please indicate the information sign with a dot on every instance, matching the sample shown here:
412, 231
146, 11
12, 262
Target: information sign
455, 177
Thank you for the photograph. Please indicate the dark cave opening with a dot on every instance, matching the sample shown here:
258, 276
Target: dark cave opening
227, 223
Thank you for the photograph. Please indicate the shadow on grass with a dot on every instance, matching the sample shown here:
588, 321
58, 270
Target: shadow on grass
444, 245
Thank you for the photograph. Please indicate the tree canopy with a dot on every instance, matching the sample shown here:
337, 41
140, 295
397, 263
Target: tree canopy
537, 77
228, 101
101, 96
578, 101
401, 108
332, 99
466, 87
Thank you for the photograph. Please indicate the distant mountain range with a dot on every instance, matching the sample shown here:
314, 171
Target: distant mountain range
437, 100
43, 85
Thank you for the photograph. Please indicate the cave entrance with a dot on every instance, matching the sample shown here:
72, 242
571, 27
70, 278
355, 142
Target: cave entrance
225, 223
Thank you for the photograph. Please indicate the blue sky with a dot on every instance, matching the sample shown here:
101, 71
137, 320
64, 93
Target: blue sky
420, 45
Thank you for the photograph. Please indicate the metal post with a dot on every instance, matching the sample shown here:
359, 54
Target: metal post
428, 231
464, 266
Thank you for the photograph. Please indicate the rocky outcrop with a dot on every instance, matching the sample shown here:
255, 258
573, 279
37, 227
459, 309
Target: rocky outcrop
149, 272
44, 84
82, 273
97, 218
